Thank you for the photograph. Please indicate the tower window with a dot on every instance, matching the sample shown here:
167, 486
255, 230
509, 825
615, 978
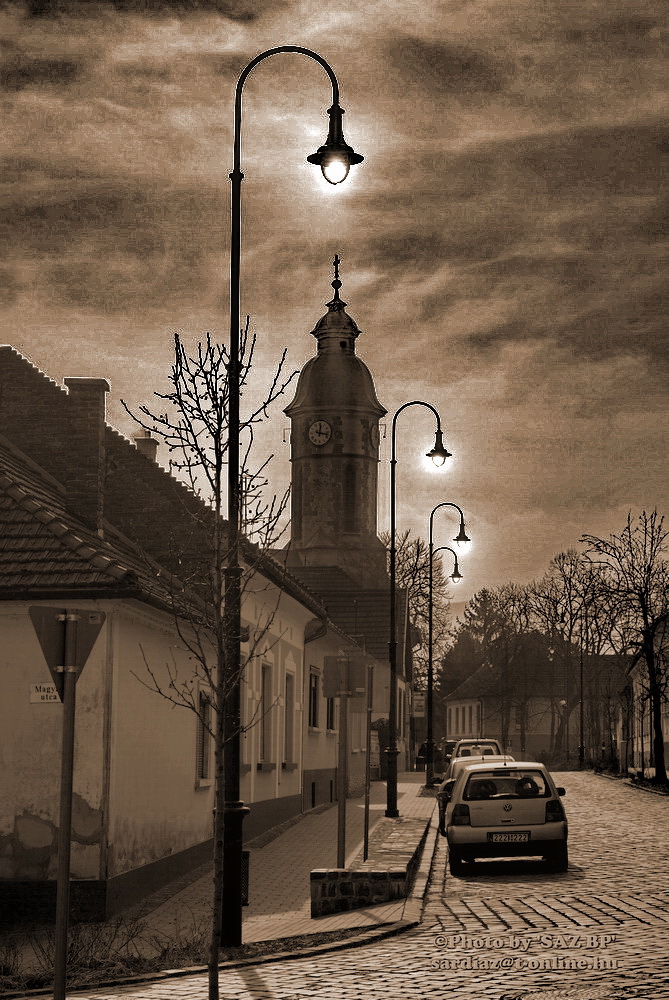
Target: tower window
351, 512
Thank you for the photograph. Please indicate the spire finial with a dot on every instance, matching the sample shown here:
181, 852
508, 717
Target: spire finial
336, 284
336, 303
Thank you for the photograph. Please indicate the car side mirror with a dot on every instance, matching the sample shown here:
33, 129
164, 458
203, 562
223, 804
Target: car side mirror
561, 790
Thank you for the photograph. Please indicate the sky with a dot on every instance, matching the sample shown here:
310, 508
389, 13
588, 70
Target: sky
503, 244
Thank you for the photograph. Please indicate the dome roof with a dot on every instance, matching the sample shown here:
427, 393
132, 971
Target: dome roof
336, 377
336, 380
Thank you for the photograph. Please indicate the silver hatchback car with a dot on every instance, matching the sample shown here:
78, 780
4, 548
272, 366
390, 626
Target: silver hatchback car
505, 809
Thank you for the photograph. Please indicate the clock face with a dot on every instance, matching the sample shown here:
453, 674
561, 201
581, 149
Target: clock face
374, 435
319, 432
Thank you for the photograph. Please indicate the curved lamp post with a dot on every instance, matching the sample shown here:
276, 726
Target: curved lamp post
462, 541
335, 158
439, 455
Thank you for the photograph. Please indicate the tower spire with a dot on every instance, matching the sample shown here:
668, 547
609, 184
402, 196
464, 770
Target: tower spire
335, 303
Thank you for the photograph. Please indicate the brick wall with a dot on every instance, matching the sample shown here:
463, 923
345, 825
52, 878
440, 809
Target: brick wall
395, 850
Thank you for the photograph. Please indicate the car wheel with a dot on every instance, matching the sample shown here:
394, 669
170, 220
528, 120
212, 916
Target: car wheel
456, 865
559, 858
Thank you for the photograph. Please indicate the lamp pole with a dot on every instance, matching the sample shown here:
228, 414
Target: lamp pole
460, 539
334, 158
438, 454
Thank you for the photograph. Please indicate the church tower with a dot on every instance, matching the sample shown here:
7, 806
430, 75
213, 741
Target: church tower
335, 455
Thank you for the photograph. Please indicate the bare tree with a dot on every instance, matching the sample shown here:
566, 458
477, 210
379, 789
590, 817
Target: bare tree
413, 575
634, 572
191, 421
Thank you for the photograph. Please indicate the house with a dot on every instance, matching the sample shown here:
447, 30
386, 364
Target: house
634, 746
90, 523
527, 710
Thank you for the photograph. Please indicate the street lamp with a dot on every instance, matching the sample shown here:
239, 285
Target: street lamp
334, 159
461, 540
439, 456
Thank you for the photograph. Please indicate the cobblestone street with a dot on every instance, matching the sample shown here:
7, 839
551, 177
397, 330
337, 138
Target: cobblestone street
508, 930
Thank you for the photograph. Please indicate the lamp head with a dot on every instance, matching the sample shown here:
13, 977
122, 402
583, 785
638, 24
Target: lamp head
439, 453
456, 576
336, 157
462, 540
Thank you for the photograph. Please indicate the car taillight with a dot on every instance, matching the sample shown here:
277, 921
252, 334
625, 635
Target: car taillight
460, 815
554, 811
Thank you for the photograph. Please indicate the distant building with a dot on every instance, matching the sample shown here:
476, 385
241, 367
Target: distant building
89, 521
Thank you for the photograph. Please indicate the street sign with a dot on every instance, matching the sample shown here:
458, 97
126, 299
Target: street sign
418, 705
49, 625
42, 694
345, 674
67, 636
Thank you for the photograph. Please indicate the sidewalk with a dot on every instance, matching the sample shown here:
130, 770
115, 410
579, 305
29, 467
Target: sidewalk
280, 864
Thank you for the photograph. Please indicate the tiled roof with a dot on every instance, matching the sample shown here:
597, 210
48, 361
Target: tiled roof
43, 549
360, 613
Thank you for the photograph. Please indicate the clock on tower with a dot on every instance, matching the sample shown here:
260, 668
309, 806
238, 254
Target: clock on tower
335, 454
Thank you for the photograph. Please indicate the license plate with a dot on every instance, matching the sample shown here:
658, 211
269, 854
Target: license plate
519, 837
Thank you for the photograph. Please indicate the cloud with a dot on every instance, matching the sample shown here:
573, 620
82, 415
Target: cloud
20, 72
425, 68
236, 10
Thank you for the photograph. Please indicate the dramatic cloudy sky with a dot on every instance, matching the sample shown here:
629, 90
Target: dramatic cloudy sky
504, 244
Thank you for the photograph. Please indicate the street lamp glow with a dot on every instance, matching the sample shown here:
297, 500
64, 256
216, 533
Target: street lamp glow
336, 157
335, 167
439, 454
462, 540
456, 575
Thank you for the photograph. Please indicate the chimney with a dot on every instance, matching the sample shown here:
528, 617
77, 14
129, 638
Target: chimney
146, 444
86, 465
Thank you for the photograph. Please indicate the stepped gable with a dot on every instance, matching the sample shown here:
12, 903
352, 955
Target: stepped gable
83, 506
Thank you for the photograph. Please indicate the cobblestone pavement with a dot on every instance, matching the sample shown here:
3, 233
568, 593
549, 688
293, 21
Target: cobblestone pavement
508, 930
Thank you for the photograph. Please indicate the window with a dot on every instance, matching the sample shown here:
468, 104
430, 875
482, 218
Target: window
289, 719
471, 718
330, 714
313, 700
265, 713
203, 738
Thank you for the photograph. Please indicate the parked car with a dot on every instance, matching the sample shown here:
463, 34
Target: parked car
446, 787
473, 750
446, 747
505, 809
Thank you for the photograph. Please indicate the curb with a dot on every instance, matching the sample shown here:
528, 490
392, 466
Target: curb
632, 784
411, 917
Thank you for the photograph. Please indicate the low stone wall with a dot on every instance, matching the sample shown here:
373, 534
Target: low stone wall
395, 848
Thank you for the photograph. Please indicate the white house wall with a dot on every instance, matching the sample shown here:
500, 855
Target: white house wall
156, 805
30, 755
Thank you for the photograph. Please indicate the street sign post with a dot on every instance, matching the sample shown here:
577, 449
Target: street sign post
67, 637
345, 676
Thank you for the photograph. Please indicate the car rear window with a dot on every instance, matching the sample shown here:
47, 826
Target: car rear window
506, 784
480, 750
